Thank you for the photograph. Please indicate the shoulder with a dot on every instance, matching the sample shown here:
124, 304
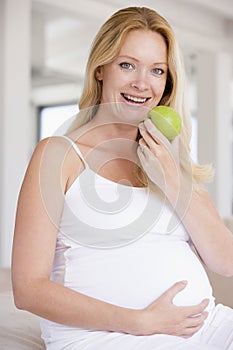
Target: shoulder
57, 147
52, 143
55, 156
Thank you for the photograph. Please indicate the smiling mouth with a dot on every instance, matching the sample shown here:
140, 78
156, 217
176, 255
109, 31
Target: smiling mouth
135, 99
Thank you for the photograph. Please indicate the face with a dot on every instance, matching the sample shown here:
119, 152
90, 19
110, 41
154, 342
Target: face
137, 76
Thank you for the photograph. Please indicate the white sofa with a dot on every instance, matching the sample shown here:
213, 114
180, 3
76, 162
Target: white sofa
20, 330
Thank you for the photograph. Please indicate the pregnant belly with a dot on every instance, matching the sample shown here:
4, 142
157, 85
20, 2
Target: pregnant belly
135, 275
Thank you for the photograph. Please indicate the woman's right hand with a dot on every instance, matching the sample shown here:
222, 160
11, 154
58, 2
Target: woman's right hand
163, 317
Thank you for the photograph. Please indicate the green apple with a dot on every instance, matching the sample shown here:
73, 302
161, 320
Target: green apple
166, 120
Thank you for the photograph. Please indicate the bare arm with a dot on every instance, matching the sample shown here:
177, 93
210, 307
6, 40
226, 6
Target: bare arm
39, 208
212, 239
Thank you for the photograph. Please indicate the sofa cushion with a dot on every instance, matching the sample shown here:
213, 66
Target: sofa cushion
18, 329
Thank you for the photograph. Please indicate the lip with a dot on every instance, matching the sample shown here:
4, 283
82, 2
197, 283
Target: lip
135, 99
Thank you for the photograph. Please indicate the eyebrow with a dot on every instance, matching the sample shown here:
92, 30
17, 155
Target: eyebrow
135, 59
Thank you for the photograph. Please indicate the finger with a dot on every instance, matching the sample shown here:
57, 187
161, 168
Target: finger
175, 144
194, 324
195, 310
152, 144
147, 137
155, 133
145, 155
189, 332
142, 143
141, 125
197, 320
175, 289
156, 148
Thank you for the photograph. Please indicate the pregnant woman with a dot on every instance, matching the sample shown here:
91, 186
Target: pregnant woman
109, 214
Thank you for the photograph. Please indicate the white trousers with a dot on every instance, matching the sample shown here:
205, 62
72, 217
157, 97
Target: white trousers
216, 334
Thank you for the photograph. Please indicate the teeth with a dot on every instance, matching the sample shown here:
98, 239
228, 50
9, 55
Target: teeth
135, 99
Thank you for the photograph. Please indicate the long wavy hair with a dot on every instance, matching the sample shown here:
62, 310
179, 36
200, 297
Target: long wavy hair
106, 47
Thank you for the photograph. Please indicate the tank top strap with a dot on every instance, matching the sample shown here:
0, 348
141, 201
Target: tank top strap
77, 150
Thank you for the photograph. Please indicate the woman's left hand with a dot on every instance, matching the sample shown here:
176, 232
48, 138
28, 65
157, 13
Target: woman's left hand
160, 159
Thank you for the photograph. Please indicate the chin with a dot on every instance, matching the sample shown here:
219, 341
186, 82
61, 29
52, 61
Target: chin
130, 113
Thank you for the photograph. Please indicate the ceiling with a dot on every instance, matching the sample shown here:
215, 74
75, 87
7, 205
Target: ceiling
62, 32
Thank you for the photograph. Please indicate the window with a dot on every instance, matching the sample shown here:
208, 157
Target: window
55, 120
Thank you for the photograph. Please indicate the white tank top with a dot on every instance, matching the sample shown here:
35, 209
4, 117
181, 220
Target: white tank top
114, 244
109, 214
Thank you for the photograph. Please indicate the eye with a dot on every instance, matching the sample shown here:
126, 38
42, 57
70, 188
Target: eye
158, 71
126, 65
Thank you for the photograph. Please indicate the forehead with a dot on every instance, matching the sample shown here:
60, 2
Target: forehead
144, 42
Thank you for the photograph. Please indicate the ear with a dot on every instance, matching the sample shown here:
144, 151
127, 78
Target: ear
99, 73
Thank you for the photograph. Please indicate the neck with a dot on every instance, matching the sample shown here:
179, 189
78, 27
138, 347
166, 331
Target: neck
111, 127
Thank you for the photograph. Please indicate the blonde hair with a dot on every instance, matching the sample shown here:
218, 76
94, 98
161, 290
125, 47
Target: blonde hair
106, 47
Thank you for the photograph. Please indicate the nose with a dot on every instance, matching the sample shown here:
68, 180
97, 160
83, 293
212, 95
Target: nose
140, 81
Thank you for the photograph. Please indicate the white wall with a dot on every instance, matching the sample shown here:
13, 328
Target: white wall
214, 71
14, 111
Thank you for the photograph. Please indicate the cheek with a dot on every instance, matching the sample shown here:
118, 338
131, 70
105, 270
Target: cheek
115, 81
159, 87
111, 77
